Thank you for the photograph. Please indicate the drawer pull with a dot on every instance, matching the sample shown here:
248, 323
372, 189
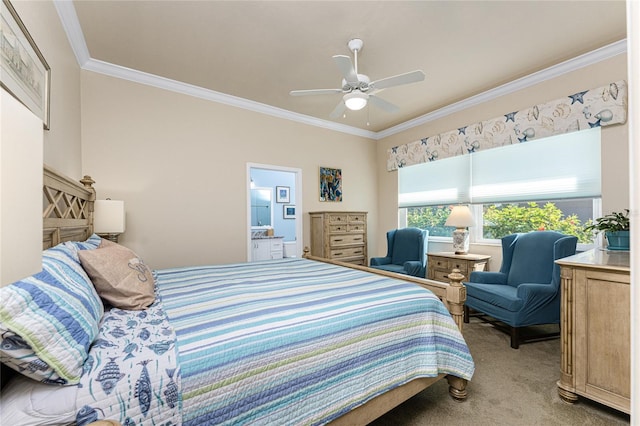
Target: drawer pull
358, 252
357, 239
337, 254
337, 240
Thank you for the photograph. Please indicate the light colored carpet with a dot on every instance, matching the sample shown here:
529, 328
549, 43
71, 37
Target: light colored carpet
509, 387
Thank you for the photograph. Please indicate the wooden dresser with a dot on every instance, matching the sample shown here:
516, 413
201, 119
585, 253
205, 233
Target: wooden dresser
340, 235
595, 328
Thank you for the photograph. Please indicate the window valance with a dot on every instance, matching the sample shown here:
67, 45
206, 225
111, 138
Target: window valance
602, 106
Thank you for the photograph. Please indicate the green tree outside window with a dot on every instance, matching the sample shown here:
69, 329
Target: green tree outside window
503, 219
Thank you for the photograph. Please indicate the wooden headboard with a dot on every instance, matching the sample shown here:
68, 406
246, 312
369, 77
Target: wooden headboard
67, 212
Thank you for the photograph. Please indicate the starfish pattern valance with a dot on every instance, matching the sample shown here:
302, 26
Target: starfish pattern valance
603, 106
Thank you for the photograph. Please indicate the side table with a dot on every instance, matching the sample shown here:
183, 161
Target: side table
440, 265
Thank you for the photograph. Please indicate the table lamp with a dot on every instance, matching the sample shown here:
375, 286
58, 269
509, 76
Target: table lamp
461, 218
108, 219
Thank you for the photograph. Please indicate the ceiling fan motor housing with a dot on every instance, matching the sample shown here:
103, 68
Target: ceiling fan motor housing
363, 84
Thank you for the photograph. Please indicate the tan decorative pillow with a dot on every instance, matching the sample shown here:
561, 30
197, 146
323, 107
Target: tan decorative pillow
106, 243
119, 276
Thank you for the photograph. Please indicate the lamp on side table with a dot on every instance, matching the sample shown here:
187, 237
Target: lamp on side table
461, 218
108, 219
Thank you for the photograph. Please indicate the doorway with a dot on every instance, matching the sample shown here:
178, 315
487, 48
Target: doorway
285, 184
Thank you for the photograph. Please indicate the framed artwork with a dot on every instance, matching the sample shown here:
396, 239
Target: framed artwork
23, 70
330, 184
289, 211
282, 194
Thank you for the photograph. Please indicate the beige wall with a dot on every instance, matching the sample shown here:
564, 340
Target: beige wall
145, 145
179, 163
62, 148
615, 167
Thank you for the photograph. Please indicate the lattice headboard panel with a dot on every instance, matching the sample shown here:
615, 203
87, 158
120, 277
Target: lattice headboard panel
67, 208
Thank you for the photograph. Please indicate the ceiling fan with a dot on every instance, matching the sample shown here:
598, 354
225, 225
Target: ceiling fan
358, 89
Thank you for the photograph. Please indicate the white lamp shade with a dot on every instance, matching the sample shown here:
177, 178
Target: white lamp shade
460, 217
108, 217
355, 100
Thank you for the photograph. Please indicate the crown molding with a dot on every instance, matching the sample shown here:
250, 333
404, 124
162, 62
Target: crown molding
148, 79
71, 25
552, 72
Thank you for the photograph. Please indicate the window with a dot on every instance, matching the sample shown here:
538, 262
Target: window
556, 187
566, 216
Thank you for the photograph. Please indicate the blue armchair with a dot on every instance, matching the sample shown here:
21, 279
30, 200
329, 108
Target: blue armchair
526, 290
406, 252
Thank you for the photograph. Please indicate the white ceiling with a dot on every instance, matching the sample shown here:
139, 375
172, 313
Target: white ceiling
261, 50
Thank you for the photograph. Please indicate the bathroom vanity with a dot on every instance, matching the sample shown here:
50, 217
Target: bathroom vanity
265, 248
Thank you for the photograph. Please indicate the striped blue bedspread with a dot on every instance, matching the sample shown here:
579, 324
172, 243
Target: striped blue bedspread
295, 341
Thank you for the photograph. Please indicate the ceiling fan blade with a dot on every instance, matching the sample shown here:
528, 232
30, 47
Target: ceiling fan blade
314, 92
346, 68
382, 104
338, 110
397, 80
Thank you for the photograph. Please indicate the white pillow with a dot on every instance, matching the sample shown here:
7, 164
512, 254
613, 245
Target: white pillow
26, 402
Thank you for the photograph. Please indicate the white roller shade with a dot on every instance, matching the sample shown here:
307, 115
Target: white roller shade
558, 167
439, 182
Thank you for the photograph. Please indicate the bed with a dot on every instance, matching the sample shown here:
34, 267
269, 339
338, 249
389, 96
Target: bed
291, 341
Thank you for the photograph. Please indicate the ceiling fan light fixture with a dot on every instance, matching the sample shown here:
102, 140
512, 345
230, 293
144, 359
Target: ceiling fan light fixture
355, 101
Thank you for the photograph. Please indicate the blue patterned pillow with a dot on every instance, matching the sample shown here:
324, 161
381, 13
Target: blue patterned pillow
55, 312
17, 354
93, 242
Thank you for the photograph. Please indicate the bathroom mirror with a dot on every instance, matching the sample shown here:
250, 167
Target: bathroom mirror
261, 207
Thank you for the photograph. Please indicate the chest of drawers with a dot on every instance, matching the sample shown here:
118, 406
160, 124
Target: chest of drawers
339, 235
440, 265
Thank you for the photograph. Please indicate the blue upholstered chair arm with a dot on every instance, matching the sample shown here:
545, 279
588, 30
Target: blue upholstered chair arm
377, 261
414, 267
487, 277
533, 291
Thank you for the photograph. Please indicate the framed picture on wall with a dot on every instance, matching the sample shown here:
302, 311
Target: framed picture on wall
23, 70
330, 184
289, 211
282, 194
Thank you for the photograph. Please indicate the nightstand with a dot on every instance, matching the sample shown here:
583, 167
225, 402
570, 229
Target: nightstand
440, 265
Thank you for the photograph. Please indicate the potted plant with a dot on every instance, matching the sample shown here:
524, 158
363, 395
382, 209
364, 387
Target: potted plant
616, 229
